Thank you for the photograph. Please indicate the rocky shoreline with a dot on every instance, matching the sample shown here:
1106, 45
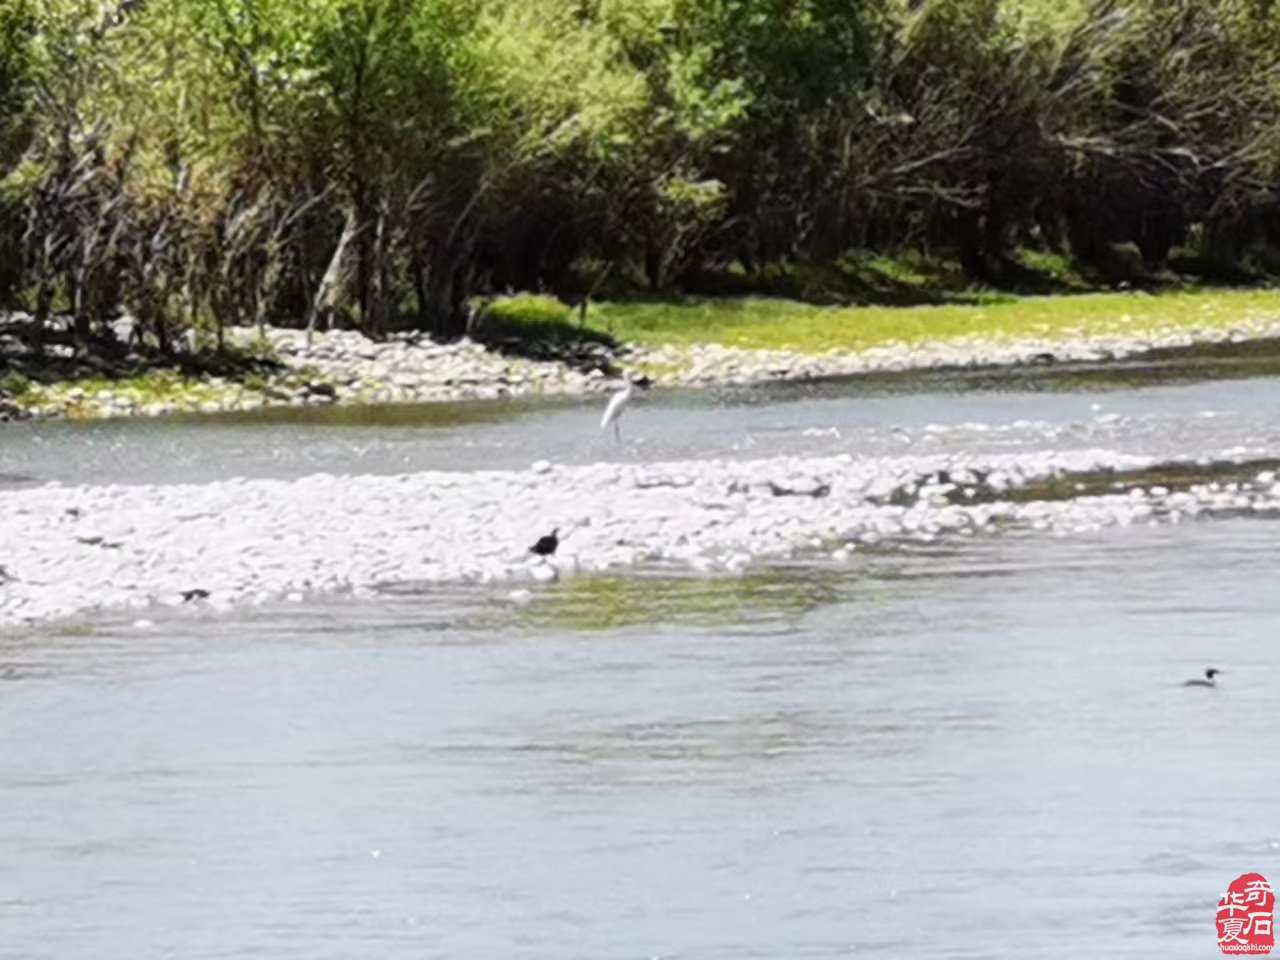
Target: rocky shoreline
346, 367
335, 367
92, 549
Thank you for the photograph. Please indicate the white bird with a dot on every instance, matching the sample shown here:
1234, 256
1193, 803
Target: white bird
617, 404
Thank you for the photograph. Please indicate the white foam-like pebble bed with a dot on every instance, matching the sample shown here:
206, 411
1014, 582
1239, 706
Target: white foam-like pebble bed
77, 549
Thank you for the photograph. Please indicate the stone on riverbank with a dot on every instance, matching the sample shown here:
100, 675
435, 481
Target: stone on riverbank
347, 368
73, 549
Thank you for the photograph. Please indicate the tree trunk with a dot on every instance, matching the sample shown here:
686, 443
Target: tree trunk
443, 290
653, 266
444, 324
79, 309
366, 269
325, 292
993, 240
373, 308
419, 278
969, 236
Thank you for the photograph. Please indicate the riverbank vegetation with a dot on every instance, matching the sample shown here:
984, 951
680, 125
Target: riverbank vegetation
393, 163
763, 323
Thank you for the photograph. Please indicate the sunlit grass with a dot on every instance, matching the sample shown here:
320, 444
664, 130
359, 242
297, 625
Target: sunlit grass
773, 323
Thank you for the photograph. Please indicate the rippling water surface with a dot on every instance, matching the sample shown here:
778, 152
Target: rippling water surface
976, 749
1205, 399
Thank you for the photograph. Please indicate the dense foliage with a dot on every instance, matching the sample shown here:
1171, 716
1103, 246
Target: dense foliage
211, 162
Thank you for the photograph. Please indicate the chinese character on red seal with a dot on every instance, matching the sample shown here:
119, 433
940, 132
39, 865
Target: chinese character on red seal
1245, 914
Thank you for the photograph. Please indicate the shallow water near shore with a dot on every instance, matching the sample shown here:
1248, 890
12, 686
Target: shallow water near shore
1144, 404
968, 748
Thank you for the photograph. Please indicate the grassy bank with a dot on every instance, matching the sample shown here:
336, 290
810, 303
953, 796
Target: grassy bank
548, 329
786, 324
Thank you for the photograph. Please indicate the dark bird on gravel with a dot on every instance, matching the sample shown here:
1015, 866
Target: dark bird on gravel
817, 492
196, 594
1208, 680
547, 545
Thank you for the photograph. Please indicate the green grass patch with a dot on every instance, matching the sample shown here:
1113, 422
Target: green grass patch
82, 397
14, 384
533, 318
1054, 268
758, 322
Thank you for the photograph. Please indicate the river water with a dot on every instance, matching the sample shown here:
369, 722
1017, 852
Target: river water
962, 749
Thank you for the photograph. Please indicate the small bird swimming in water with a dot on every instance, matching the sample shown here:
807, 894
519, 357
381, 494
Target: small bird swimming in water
1208, 680
547, 545
196, 594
